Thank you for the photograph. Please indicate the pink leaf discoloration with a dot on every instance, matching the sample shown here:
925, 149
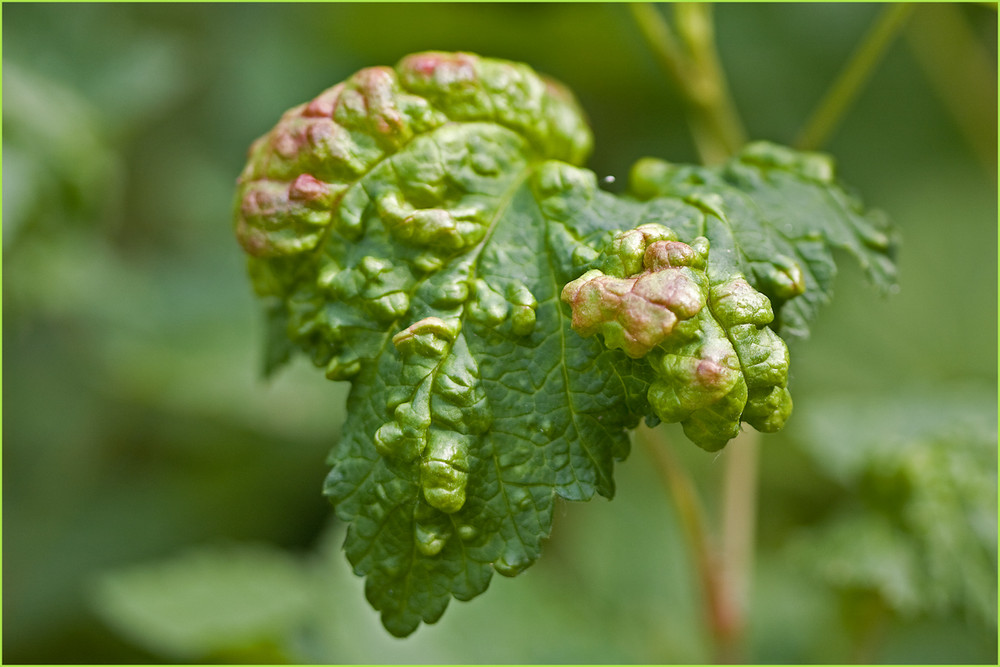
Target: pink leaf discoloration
307, 188
636, 313
324, 104
445, 67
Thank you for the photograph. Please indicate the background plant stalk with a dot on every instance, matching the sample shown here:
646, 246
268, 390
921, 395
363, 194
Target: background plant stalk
722, 566
691, 60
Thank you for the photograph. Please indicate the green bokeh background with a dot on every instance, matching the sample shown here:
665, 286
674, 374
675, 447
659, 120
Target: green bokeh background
136, 425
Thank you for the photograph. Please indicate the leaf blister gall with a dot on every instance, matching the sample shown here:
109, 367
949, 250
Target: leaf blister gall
695, 335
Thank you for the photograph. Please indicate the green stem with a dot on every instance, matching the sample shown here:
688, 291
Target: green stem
853, 77
693, 63
869, 622
722, 616
960, 69
739, 523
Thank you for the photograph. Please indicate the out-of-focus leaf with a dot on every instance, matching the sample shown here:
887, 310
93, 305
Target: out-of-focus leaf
922, 531
225, 601
58, 163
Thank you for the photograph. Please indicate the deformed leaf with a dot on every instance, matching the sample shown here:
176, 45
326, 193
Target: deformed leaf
413, 229
400, 217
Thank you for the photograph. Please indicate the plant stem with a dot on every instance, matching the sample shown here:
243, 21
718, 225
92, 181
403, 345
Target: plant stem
723, 615
869, 618
693, 63
960, 69
739, 523
852, 78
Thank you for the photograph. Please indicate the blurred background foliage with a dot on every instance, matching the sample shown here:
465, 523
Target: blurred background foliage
162, 502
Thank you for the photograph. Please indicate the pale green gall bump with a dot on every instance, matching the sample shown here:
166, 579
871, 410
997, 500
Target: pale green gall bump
781, 277
429, 540
343, 367
647, 175
736, 302
428, 262
488, 306
444, 471
429, 336
583, 255
767, 410
390, 307
523, 311
467, 532
450, 294
511, 564
713, 427
392, 443
626, 256
818, 167
372, 267
522, 320
435, 228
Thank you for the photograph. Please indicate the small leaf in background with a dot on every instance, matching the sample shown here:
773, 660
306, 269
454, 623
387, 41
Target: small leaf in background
233, 603
920, 529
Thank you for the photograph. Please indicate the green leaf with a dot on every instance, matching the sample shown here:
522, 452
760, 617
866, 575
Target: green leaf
921, 530
237, 601
413, 230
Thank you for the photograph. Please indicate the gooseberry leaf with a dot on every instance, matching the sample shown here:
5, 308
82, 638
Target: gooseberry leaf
421, 231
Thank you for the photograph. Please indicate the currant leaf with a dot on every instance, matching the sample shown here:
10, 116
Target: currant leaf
415, 230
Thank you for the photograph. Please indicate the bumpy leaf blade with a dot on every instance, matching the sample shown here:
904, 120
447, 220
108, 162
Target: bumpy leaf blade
714, 361
412, 230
